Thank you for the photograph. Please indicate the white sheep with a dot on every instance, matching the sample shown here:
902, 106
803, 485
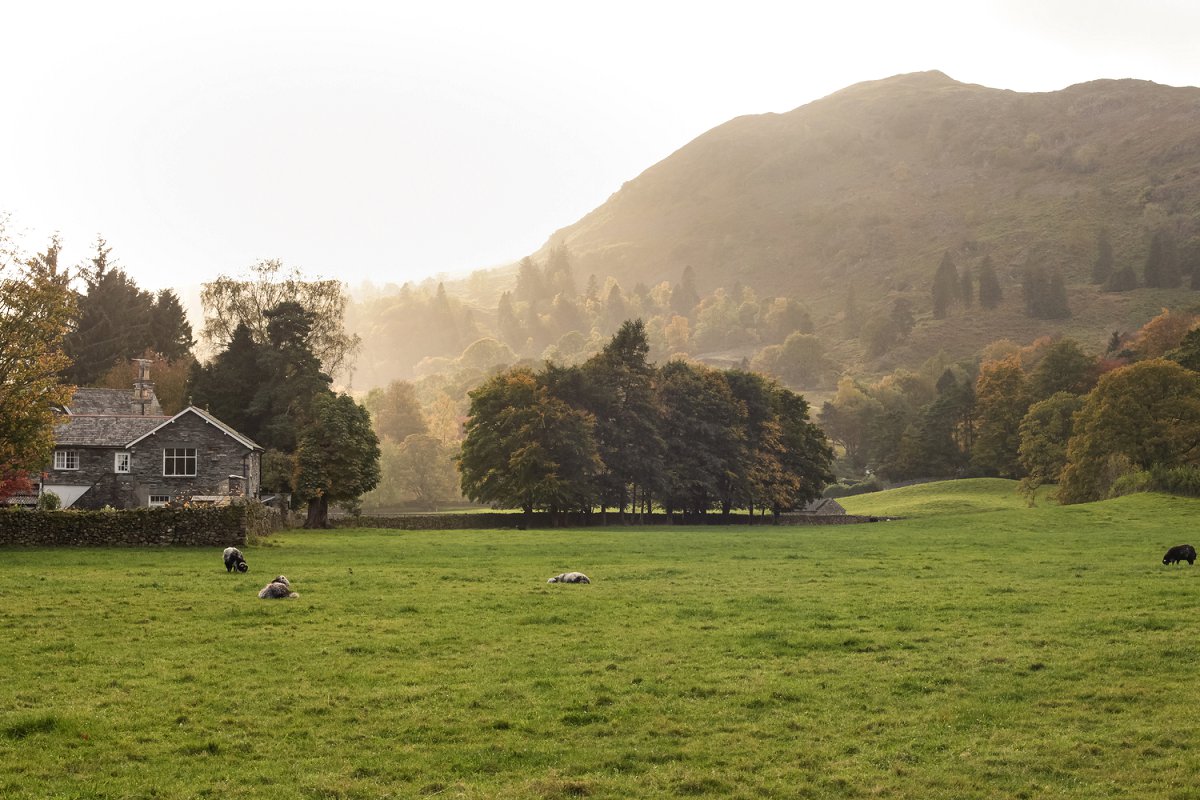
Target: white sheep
278, 588
570, 577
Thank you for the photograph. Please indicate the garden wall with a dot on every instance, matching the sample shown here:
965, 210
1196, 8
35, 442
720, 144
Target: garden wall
493, 520
139, 527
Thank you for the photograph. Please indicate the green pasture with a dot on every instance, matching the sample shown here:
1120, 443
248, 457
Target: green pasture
976, 649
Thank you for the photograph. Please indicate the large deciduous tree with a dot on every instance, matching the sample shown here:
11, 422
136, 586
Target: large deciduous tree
337, 456
36, 308
229, 301
1001, 400
526, 448
1138, 417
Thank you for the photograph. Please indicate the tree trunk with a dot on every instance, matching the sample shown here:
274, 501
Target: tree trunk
318, 513
527, 516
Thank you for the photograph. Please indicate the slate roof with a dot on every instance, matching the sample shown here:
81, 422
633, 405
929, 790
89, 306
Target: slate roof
204, 415
101, 401
825, 506
103, 430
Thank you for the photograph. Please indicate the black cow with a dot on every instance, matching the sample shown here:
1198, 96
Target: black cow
1180, 552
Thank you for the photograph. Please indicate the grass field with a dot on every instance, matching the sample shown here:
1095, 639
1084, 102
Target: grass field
1006, 652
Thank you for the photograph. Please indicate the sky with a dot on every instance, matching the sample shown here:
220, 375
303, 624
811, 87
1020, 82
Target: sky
392, 142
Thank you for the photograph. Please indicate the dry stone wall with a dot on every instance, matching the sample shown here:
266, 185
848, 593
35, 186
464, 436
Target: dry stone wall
139, 527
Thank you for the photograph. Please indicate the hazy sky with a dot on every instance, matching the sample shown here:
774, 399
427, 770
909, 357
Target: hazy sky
395, 141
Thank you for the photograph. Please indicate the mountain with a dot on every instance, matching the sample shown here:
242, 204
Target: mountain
871, 186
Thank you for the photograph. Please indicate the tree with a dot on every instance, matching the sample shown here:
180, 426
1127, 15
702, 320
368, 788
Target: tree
685, 296
846, 419
424, 469
1122, 280
1102, 267
36, 308
1001, 402
1045, 431
990, 294
1162, 262
290, 377
525, 448
1140, 416
337, 456
1064, 367
530, 282
170, 331
228, 385
1045, 294
395, 411
700, 425
946, 286
800, 361
229, 301
622, 401
171, 380
1164, 333
114, 321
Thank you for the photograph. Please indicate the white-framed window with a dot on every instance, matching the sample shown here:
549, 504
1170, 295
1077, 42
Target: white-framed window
123, 460
157, 500
66, 459
179, 461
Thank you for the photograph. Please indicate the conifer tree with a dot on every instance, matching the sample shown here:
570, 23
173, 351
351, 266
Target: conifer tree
989, 285
946, 287
1102, 267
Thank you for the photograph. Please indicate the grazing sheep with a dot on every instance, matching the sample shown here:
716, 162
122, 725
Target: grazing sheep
278, 588
570, 577
1180, 552
234, 560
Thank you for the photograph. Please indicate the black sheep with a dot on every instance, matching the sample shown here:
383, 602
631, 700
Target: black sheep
1180, 552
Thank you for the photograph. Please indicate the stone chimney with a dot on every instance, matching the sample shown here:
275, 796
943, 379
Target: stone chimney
144, 401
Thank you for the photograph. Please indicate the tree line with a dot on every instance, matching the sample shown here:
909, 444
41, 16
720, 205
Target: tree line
1045, 413
617, 432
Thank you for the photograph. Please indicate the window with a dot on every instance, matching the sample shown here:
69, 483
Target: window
157, 500
66, 459
122, 463
179, 461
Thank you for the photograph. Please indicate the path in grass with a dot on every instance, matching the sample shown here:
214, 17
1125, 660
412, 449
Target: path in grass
1015, 653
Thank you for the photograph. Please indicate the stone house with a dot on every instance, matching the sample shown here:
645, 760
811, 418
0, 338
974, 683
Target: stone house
114, 448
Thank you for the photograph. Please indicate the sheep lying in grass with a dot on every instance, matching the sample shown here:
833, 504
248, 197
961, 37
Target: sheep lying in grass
570, 577
234, 560
278, 588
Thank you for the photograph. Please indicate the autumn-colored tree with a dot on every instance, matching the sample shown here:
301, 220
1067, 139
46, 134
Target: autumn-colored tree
170, 379
36, 310
1164, 333
1001, 400
423, 469
1144, 415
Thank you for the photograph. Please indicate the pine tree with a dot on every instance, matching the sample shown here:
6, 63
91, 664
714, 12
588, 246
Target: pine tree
1162, 262
946, 287
989, 285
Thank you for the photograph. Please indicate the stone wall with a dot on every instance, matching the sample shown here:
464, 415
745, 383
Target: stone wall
139, 527
492, 520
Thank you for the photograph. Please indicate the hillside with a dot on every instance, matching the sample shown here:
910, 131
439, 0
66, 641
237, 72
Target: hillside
864, 192
875, 182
